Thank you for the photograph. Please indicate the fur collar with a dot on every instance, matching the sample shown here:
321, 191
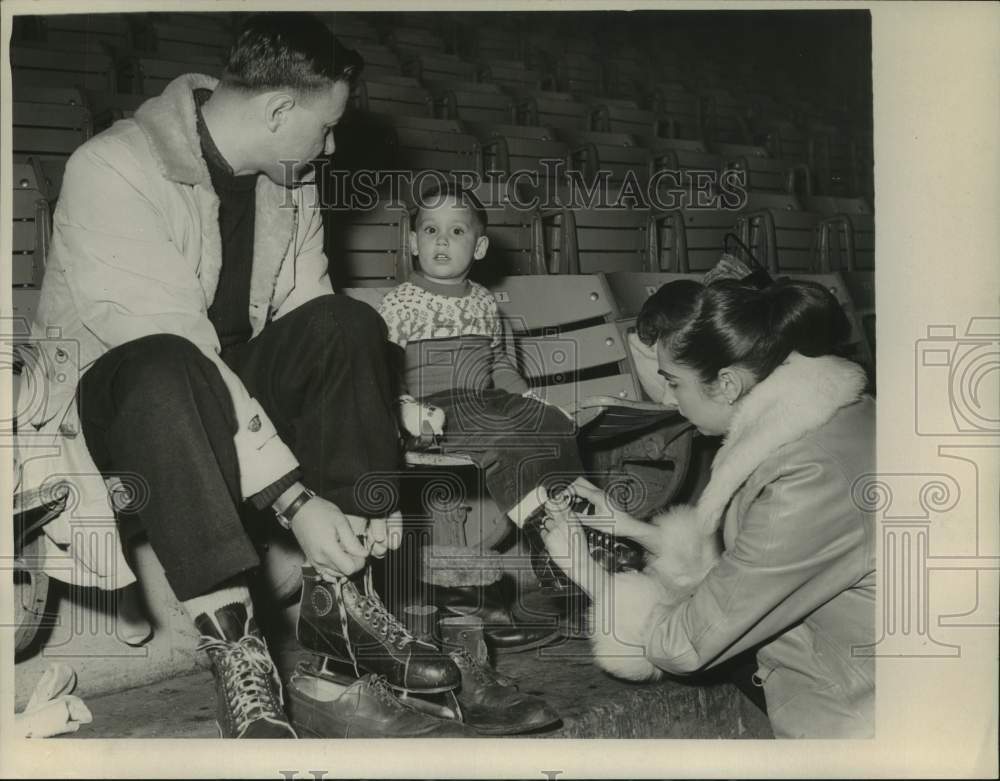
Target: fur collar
169, 123
801, 395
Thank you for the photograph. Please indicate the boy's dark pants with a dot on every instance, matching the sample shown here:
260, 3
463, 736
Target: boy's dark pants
519, 443
157, 407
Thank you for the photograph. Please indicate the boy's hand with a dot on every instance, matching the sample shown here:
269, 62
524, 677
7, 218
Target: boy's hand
421, 419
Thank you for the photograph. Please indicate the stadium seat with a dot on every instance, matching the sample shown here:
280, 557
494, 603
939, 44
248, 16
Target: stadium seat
471, 101
379, 61
617, 153
368, 247
553, 109
182, 41
415, 40
47, 68
149, 75
785, 141
723, 118
579, 74
856, 253
589, 240
765, 173
433, 66
680, 107
401, 95
31, 228
350, 30
511, 74
512, 148
86, 32
49, 128
690, 239
624, 116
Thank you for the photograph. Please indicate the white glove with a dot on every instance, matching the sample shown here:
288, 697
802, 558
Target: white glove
421, 419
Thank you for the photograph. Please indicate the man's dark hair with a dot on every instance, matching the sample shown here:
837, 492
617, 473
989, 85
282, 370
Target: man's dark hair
288, 50
441, 190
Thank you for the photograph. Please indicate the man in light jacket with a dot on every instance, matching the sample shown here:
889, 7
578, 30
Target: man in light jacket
215, 365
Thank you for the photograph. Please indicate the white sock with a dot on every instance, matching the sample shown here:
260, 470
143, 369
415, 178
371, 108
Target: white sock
234, 593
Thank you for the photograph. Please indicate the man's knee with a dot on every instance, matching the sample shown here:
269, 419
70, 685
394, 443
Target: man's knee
156, 362
339, 316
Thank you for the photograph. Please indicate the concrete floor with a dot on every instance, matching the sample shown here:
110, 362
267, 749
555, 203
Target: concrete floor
592, 704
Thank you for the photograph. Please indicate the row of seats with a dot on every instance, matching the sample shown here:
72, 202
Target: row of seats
660, 100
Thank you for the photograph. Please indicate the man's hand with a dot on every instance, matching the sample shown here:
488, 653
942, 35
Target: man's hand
384, 534
329, 539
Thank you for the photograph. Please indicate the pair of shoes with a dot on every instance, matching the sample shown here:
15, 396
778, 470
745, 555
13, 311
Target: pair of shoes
349, 625
491, 703
325, 705
492, 604
249, 700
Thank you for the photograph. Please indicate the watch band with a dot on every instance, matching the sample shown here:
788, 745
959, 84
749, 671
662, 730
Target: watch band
285, 516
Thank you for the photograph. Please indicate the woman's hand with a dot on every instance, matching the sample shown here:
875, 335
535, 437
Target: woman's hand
625, 525
566, 541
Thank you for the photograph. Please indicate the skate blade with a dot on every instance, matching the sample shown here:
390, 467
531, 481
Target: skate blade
440, 706
339, 670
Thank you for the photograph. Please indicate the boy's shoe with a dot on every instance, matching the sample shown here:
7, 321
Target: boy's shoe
325, 706
491, 703
249, 702
344, 624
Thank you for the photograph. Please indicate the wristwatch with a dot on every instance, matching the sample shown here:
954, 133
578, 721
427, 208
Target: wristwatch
285, 516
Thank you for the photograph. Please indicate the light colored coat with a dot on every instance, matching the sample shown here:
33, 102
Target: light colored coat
797, 578
136, 251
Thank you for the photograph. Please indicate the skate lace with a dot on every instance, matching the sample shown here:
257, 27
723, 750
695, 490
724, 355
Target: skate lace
376, 614
249, 678
482, 672
381, 689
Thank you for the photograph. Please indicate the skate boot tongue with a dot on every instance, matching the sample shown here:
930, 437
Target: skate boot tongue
229, 622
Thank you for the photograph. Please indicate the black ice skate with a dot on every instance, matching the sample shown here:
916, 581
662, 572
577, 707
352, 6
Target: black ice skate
350, 627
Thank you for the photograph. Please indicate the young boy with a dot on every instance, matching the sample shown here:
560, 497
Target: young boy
450, 330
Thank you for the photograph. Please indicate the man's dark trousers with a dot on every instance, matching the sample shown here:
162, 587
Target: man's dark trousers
158, 408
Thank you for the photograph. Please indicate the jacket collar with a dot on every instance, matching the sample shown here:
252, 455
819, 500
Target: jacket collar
801, 395
169, 122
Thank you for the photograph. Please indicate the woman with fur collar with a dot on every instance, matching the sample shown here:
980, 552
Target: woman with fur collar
796, 578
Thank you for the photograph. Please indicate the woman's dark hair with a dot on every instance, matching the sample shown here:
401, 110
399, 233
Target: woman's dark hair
290, 50
730, 323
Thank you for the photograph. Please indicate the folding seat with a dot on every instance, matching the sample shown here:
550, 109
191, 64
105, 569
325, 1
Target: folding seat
367, 247
434, 66
584, 240
764, 173
415, 40
580, 74
617, 153
831, 157
784, 140
56, 96
852, 246
680, 154
149, 75
723, 117
49, 128
513, 75
485, 39
108, 107
625, 77
379, 61
624, 116
680, 107
514, 148
182, 41
31, 227
690, 239
350, 30
471, 101
48, 68
82, 32
787, 239
553, 109
399, 95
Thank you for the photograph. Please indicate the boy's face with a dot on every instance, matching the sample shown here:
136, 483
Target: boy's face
446, 240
